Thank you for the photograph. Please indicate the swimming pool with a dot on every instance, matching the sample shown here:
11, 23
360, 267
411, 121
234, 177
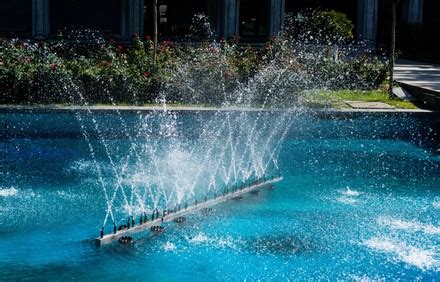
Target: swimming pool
360, 199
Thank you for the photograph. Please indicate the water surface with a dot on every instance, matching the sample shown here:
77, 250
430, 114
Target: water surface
360, 199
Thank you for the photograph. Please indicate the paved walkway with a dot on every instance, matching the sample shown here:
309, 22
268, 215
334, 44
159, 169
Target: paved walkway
369, 105
418, 74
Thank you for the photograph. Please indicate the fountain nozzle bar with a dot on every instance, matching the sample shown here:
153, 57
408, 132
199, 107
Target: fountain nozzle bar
177, 215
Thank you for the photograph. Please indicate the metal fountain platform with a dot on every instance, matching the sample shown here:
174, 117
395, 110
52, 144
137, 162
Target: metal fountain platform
114, 237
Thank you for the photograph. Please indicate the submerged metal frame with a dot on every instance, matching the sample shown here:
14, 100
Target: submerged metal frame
110, 238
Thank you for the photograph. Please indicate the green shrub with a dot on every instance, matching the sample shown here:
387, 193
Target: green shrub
319, 26
206, 73
321, 44
335, 24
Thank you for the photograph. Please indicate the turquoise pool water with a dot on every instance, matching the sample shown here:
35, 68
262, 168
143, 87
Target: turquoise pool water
360, 199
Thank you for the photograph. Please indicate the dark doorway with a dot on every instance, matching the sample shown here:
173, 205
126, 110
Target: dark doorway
16, 17
254, 18
431, 9
420, 41
102, 15
175, 16
384, 24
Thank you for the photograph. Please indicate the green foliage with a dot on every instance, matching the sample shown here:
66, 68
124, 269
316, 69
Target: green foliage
64, 72
204, 73
356, 72
337, 98
335, 24
319, 26
320, 42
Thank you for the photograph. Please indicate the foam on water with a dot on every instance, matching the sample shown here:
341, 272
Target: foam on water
348, 196
169, 247
350, 193
8, 192
81, 166
436, 205
226, 242
220, 242
424, 259
410, 226
347, 200
198, 239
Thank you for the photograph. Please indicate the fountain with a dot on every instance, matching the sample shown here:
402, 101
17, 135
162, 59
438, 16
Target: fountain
167, 173
231, 150
178, 214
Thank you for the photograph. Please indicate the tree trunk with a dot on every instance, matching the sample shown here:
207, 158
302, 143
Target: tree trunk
393, 45
155, 32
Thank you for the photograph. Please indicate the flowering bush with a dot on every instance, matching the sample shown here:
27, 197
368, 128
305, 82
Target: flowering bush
87, 69
66, 72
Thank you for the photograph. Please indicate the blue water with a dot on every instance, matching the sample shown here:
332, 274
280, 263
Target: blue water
360, 199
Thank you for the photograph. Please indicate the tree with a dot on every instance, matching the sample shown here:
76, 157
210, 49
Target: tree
394, 4
155, 32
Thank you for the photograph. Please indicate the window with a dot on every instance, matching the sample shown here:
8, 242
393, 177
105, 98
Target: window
174, 16
253, 18
103, 15
431, 9
15, 17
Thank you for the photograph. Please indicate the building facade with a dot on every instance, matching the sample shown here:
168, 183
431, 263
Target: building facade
248, 19
123, 18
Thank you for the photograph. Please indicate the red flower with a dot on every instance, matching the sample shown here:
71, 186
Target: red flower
167, 43
53, 67
147, 37
120, 47
136, 34
146, 74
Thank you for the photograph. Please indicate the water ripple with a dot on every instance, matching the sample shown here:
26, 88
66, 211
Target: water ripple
422, 258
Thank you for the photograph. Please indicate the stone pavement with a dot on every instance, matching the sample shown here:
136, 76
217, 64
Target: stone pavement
369, 105
420, 80
418, 74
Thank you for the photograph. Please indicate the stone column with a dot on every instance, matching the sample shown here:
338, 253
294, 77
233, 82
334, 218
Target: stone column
412, 11
132, 18
138, 17
228, 18
276, 16
367, 21
40, 18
